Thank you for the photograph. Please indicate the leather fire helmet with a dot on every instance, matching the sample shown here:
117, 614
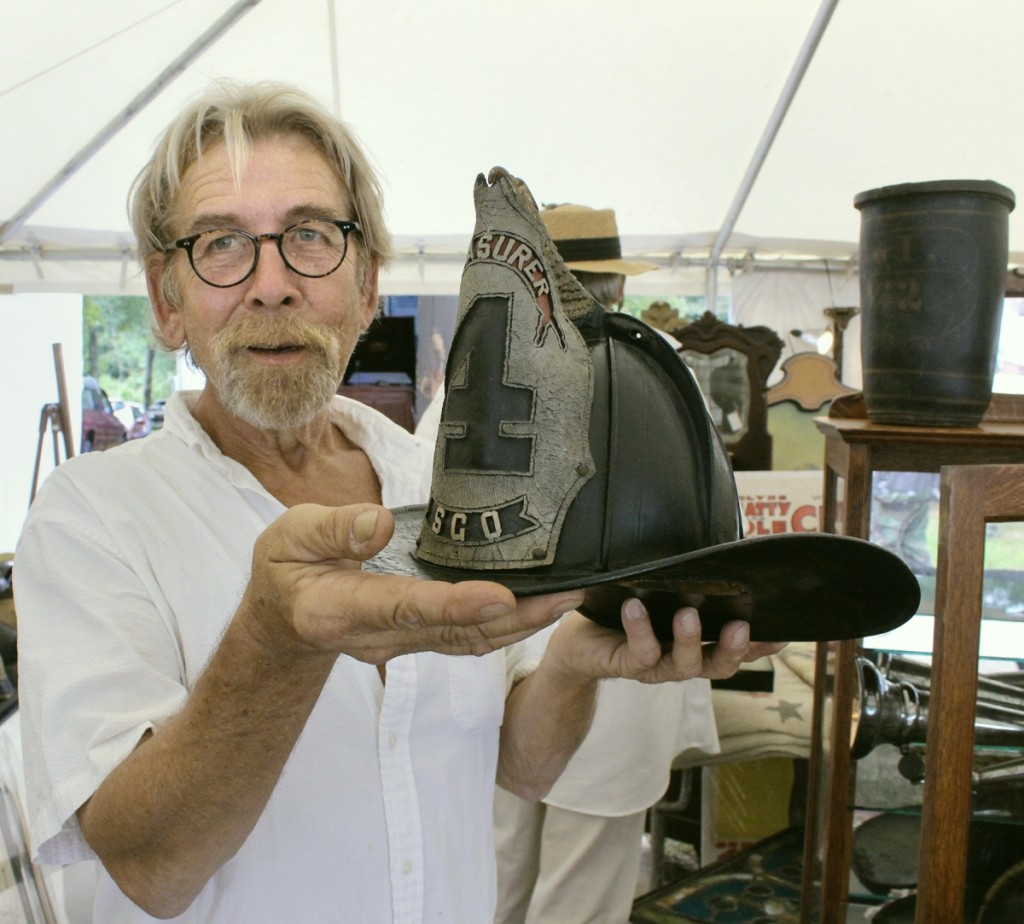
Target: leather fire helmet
575, 450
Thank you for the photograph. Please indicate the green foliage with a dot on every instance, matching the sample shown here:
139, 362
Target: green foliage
116, 335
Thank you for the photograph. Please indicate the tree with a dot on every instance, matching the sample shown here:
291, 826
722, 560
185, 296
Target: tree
120, 351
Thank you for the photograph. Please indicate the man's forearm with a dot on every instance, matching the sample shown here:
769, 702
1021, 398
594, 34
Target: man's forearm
182, 803
547, 715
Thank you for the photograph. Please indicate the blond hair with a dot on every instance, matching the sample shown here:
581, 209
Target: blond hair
237, 114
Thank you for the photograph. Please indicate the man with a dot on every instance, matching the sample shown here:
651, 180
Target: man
588, 240
575, 855
217, 702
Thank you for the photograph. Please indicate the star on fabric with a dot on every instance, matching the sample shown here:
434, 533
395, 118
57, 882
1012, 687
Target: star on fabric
787, 710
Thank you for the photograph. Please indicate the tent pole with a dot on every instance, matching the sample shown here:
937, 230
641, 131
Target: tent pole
332, 31
141, 100
800, 66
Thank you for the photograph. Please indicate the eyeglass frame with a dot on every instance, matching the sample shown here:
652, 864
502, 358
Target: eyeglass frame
186, 243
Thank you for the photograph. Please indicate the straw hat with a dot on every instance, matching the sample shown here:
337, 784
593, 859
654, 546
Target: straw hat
588, 240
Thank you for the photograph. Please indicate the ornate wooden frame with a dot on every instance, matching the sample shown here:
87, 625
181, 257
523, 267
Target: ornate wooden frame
749, 446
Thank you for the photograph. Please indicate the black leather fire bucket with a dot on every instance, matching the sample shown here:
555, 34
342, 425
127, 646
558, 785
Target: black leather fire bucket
933, 272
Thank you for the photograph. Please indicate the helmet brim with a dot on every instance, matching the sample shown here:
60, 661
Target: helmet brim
791, 587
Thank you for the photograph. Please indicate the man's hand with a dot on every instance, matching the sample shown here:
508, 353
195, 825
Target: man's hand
583, 648
549, 712
307, 591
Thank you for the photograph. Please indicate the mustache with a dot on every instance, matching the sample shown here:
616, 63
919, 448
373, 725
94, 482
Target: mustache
274, 332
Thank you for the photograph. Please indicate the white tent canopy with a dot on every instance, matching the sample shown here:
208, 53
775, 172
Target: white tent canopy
739, 128
656, 108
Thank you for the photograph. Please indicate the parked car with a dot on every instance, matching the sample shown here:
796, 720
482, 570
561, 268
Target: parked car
156, 413
133, 416
100, 427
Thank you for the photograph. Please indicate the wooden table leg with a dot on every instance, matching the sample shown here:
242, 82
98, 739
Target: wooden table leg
971, 496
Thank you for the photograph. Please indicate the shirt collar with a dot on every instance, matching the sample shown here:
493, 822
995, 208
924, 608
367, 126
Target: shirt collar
401, 460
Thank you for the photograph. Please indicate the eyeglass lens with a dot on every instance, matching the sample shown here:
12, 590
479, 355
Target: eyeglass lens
225, 257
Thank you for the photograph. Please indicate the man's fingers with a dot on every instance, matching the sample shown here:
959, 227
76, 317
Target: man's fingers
644, 647
724, 658
307, 565
342, 602
359, 610
311, 533
688, 656
760, 650
544, 609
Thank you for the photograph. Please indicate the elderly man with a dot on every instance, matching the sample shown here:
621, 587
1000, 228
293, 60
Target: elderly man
217, 702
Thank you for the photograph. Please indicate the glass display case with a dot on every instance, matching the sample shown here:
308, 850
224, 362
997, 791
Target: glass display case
946, 499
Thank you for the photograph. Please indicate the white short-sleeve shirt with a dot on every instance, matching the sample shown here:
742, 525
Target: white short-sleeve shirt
130, 565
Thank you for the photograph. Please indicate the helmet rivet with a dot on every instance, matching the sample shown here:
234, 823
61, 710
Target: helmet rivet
537, 553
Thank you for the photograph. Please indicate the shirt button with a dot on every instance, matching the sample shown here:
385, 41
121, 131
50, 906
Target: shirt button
392, 740
406, 867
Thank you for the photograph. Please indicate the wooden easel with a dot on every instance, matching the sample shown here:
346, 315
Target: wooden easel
57, 419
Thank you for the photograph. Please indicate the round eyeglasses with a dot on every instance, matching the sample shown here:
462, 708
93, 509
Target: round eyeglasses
225, 257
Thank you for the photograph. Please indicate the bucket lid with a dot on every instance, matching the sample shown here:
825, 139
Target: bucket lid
971, 187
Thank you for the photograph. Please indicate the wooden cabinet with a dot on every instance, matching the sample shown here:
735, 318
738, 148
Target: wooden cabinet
982, 481
394, 401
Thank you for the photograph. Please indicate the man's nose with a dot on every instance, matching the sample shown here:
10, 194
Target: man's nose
272, 280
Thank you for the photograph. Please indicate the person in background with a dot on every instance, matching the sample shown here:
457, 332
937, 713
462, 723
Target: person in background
575, 855
217, 702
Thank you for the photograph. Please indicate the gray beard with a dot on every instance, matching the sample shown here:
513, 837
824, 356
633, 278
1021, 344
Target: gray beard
280, 400
275, 399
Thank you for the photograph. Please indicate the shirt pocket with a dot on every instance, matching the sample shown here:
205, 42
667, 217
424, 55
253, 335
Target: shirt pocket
476, 689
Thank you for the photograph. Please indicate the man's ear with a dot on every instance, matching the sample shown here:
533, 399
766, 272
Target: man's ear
166, 313
368, 294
